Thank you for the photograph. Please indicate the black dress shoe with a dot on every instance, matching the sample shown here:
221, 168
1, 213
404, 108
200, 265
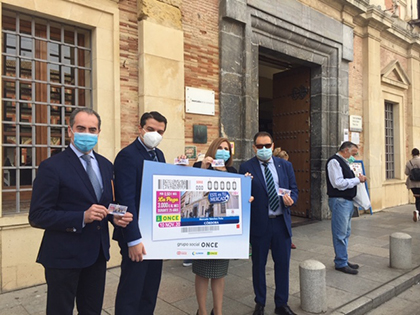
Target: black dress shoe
212, 313
259, 309
353, 266
348, 270
284, 310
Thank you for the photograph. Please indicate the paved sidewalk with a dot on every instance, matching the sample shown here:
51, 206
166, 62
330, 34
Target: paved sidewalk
347, 294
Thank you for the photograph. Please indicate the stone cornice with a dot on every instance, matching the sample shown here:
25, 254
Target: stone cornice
353, 6
376, 18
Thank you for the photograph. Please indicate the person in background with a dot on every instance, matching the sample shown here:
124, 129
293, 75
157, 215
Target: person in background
411, 184
341, 189
283, 155
214, 270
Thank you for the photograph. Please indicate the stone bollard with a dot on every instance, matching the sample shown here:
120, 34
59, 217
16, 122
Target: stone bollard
400, 251
313, 288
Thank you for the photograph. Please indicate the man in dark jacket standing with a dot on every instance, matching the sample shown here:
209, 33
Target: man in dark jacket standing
70, 196
140, 279
271, 223
341, 189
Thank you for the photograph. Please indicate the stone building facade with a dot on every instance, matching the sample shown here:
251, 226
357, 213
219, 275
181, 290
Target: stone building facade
300, 69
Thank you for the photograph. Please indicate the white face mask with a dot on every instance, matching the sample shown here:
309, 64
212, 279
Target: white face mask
152, 139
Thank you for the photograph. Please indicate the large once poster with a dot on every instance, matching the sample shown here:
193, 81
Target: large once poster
194, 213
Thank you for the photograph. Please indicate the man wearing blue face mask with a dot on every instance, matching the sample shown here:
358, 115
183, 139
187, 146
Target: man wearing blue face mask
341, 189
70, 196
271, 224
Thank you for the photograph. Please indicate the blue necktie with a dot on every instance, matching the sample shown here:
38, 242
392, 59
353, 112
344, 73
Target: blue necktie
152, 154
92, 176
273, 198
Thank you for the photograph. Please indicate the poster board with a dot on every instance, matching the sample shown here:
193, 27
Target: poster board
193, 213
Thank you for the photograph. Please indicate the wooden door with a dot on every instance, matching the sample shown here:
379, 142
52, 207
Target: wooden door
291, 129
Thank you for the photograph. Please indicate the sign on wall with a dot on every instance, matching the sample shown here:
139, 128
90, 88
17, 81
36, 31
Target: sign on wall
356, 123
199, 101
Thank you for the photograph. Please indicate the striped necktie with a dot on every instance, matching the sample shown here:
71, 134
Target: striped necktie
273, 198
152, 154
92, 176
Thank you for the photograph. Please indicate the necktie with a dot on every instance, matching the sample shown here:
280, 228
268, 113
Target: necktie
152, 154
273, 198
92, 176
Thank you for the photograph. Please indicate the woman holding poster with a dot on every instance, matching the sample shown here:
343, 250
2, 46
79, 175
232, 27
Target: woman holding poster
218, 157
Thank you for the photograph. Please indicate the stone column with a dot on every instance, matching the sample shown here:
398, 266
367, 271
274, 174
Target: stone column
161, 69
400, 251
313, 287
373, 103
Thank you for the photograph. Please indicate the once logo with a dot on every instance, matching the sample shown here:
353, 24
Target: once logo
210, 244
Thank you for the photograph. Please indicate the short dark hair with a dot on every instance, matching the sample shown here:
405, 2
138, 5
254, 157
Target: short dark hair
262, 134
155, 115
347, 145
415, 152
86, 110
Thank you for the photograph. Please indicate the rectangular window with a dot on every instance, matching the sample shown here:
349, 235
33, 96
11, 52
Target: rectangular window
46, 73
389, 140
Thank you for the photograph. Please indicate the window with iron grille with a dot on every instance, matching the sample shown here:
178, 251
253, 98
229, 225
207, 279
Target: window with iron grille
389, 140
46, 73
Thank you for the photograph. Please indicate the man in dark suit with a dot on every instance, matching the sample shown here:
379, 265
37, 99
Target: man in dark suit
140, 279
271, 224
73, 212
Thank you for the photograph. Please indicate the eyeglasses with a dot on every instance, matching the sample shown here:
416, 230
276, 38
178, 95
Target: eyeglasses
260, 146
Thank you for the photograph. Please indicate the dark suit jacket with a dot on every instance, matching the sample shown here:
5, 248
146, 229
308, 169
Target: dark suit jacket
128, 167
259, 207
61, 193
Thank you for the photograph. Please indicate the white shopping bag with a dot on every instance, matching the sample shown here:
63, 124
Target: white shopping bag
362, 198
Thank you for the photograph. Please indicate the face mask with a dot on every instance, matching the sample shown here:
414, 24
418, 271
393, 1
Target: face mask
264, 154
222, 155
152, 139
84, 141
351, 159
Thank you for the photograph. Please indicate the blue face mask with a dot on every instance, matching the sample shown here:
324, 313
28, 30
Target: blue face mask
264, 154
84, 141
222, 155
351, 159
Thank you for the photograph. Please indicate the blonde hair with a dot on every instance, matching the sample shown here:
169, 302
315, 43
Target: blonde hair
283, 154
211, 151
277, 151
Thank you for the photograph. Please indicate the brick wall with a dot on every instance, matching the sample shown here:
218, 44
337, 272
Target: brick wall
356, 85
129, 82
201, 57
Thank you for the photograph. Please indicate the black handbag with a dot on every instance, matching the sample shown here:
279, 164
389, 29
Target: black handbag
414, 173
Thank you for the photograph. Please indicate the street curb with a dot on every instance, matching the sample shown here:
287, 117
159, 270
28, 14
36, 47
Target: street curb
380, 295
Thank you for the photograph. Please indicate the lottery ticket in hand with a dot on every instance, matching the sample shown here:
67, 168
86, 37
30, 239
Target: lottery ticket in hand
284, 191
117, 209
181, 161
218, 163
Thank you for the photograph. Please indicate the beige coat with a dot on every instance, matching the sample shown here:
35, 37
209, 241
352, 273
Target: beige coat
416, 163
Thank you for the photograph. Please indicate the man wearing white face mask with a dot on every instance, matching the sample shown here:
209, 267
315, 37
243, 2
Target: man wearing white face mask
140, 279
271, 223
